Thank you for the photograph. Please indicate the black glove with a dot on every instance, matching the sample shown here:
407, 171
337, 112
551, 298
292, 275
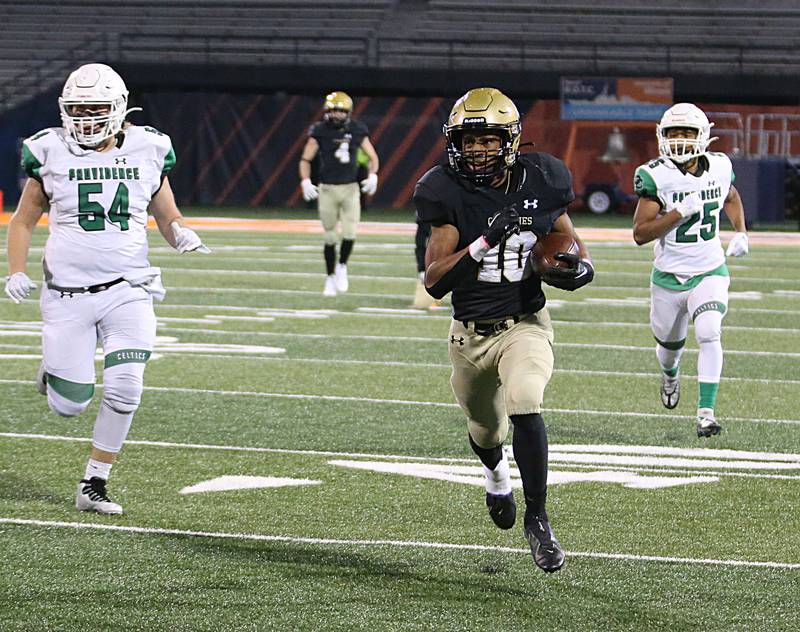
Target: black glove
579, 273
502, 225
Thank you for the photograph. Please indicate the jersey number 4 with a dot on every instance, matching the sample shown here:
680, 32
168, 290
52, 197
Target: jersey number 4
92, 215
708, 228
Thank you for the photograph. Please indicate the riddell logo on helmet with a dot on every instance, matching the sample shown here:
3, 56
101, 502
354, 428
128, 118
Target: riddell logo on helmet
473, 120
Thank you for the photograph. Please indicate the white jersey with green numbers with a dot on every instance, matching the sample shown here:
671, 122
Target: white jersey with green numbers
693, 247
98, 201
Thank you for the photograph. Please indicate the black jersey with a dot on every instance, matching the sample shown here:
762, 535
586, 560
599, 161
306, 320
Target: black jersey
338, 150
506, 284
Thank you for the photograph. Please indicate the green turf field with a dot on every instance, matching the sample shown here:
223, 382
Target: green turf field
380, 523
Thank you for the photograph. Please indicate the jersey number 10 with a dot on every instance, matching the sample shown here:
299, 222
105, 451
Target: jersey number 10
92, 215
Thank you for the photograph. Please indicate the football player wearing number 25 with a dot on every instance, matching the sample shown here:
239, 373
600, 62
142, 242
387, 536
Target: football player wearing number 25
98, 176
335, 141
487, 207
680, 196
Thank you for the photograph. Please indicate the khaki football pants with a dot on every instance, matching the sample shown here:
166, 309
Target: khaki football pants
339, 202
501, 374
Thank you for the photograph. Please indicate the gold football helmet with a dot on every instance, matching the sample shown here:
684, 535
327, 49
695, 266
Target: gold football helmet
337, 102
483, 111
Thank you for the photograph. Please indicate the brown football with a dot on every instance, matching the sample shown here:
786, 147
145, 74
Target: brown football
551, 244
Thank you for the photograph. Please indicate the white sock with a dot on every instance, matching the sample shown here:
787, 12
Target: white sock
498, 480
97, 468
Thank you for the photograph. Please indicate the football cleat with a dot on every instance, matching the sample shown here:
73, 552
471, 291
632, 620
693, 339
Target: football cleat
707, 425
330, 286
92, 497
670, 391
502, 509
546, 550
41, 379
341, 277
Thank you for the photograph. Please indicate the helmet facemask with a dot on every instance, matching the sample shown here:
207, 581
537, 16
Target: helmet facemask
481, 165
90, 122
337, 121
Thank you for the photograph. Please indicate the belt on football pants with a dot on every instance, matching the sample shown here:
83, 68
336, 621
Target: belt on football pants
492, 327
86, 289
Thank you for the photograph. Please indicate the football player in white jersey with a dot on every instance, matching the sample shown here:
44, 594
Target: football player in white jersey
98, 176
680, 196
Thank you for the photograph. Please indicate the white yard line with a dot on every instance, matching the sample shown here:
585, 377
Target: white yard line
424, 404
53, 524
387, 363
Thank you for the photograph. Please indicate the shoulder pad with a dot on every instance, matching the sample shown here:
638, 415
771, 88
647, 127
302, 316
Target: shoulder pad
435, 184
553, 169
644, 185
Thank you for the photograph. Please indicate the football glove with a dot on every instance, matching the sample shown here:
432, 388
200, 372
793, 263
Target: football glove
370, 184
310, 192
186, 240
579, 273
19, 286
502, 225
689, 205
738, 246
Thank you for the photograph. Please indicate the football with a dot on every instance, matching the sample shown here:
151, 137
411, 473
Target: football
547, 247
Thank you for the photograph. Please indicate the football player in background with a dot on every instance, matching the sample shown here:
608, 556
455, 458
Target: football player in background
680, 196
338, 138
487, 208
98, 176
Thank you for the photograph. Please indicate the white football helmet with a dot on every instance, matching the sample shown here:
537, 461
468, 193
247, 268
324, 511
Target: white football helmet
684, 149
98, 85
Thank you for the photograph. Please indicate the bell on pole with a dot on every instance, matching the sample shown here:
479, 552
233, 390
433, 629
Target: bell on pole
616, 150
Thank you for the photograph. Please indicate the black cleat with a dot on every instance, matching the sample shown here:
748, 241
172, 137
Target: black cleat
546, 550
502, 509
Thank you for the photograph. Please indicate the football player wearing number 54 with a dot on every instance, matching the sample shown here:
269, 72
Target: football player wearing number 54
336, 140
98, 176
487, 208
680, 196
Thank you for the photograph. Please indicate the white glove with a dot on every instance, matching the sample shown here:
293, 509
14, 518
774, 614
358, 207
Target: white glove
18, 286
186, 240
310, 192
690, 205
738, 245
370, 184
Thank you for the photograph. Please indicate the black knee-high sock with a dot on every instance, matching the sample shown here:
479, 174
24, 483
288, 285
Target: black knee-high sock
330, 258
347, 248
530, 453
491, 457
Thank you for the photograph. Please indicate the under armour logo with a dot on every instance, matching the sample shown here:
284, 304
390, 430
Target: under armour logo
459, 340
530, 204
120, 161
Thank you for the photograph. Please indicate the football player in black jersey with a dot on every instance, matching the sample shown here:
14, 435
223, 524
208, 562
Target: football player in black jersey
337, 139
487, 208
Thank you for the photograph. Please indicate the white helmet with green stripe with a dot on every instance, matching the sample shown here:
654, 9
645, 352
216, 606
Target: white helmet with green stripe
93, 104
686, 116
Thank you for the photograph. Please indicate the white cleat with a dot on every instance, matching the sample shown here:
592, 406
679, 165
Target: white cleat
342, 284
92, 497
330, 286
670, 391
41, 379
707, 425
